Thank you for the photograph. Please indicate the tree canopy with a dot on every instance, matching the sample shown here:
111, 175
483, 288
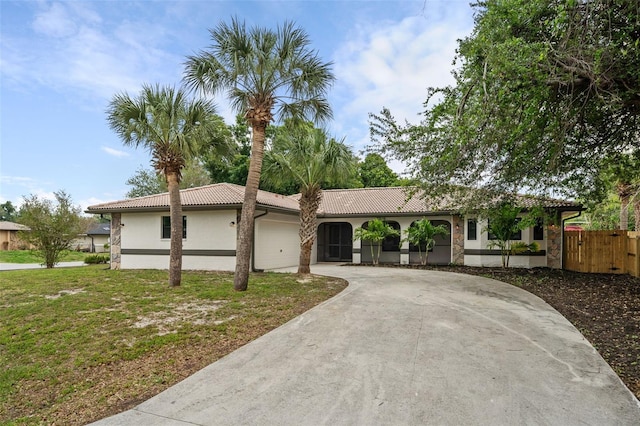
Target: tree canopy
148, 182
544, 91
53, 225
8, 211
373, 171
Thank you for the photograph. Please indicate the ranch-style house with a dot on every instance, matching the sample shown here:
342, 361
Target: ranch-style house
140, 230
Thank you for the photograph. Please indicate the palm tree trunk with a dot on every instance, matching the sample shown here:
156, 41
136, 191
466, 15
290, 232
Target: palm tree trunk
175, 213
309, 203
245, 228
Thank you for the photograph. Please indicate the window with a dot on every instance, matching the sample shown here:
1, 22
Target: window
392, 243
472, 229
515, 236
538, 231
166, 227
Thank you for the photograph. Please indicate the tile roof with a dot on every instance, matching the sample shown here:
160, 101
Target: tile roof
335, 202
100, 229
11, 226
379, 201
219, 194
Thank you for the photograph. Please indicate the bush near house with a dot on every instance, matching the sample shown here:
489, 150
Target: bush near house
96, 259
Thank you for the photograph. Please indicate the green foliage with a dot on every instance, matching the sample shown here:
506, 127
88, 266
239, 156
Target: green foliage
260, 69
422, 234
305, 159
145, 182
8, 212
544, 91
375, 232
53, 225
168, 124
233, 169
521, 247
374, 172
504, 220
96, 259
611, 205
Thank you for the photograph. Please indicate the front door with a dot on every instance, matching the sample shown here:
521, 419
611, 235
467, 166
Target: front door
335, 242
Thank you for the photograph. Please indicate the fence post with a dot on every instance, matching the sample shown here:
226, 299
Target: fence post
637, 258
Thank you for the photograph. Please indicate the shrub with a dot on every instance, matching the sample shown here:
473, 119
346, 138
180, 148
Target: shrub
96, 259
521, 247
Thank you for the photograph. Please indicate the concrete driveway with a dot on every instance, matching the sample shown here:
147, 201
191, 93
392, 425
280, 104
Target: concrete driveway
405, 347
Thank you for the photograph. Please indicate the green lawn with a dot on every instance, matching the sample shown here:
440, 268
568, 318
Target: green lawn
28, 256
78, 344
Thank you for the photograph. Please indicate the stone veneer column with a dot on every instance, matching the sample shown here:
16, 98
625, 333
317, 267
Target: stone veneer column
554, 246
356, 252
116, 231
457, 240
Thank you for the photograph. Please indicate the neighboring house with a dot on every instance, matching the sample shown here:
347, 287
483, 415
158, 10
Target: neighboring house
9, 236
94, 240
140, 229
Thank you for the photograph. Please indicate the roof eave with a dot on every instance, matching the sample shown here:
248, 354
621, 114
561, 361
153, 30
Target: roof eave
234, 206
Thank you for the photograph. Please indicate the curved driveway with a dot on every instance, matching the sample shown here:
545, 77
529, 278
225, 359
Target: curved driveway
405, 347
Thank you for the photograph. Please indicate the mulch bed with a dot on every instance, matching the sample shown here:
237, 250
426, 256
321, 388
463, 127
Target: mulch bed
604, 307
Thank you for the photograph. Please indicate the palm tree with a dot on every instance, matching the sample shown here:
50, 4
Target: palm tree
422, 233
259, 70
375, 232
164, 121
307, 157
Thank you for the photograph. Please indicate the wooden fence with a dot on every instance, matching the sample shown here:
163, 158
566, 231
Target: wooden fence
609, 252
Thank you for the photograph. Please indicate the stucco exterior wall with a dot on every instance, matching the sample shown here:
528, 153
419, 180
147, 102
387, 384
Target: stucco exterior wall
210, 242
277, 243
189, 262
494, 260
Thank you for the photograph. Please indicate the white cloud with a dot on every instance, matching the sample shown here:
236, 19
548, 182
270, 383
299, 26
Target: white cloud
15, 188
114, 152
54, 21
391, 65
78, 53
91, 201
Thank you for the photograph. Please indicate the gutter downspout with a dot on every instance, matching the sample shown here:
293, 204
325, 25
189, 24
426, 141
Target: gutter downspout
253, 242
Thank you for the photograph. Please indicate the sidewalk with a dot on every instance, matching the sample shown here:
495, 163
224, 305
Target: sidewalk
17, 266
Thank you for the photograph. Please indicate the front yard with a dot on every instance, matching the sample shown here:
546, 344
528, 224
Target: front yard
79, 344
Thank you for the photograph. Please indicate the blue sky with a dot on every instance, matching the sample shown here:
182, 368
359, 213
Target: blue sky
61, 63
